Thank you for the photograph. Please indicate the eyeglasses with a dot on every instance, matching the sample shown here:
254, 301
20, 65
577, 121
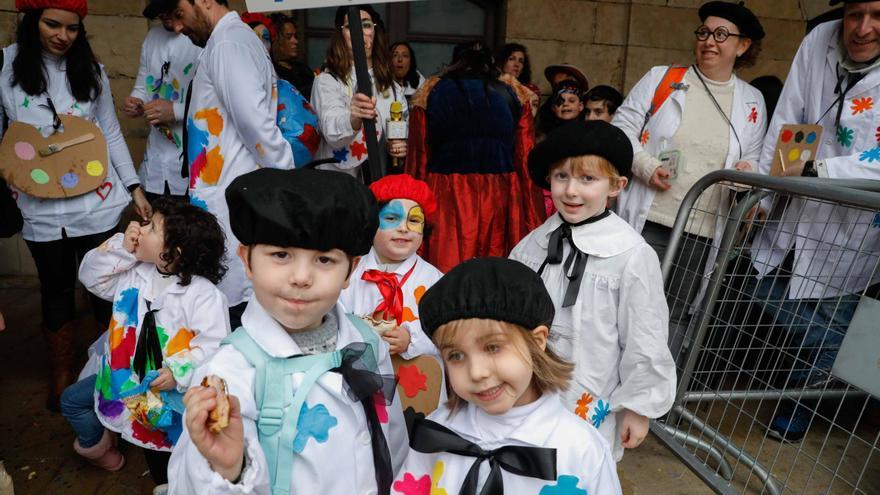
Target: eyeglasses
365, 25
720, 34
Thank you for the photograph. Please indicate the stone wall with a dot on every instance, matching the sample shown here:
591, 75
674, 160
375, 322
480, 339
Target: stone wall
615, 42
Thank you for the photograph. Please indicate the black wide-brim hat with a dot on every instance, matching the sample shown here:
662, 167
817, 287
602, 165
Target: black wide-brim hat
310, 209
737, 13
489, 288
577, 138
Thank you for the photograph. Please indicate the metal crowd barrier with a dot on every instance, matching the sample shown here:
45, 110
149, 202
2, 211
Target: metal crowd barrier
741, 355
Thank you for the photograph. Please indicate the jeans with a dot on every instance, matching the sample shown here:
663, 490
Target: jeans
78, 408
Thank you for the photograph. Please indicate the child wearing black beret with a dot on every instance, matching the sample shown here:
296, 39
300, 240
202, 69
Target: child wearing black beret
504, 429
605, 281
309, 386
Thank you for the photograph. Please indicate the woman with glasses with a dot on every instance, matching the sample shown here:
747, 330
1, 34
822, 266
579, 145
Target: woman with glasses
51, 72
686, 122
341, 109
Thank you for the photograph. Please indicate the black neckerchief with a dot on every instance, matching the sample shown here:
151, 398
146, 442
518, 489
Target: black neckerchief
577, 260
535, 462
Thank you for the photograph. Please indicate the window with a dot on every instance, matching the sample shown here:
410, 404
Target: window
432, 27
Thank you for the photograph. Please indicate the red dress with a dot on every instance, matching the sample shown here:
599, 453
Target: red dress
475, 162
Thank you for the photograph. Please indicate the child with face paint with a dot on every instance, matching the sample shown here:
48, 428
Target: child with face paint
389, 281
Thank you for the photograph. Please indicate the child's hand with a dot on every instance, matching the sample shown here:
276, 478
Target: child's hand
165, 380
224, 451
131, 236
633, 429
398, 340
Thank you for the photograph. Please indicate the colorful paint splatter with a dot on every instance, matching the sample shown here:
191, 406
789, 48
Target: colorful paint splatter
600, 412
409, 485
753, 115
206, 164
412, 380
583, 405
872, 155
845, 136
314, 422
565, 485
861, 105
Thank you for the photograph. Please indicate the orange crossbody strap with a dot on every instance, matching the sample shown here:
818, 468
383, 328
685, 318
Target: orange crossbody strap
670, 82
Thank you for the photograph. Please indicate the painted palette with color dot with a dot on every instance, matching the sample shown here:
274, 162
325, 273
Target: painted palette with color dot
68, 163
796, 143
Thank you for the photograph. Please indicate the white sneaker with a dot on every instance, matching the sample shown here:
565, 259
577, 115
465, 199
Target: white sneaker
161, 489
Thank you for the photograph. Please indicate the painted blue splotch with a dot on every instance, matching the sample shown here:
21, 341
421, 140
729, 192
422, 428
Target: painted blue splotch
876, 222
600, 412
314, 422
127, 305
870, 156
197, 140
197, 201
118, 379
565, 485
341, 154
391, 215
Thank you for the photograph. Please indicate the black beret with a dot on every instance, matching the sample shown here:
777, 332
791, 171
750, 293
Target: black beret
342, 11
311, 209
737, 13
156, 7
490, 288
576, 138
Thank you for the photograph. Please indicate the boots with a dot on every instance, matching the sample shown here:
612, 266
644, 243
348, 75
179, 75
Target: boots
103, 454
61, 344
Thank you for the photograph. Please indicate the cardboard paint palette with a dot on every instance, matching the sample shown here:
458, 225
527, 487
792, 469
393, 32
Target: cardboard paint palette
796, 142
419, 381
68, 163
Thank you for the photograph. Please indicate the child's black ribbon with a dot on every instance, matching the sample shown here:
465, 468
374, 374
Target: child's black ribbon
576, 262
535, 462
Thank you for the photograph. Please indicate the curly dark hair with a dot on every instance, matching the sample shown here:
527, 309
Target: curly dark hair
194, 241
525, 77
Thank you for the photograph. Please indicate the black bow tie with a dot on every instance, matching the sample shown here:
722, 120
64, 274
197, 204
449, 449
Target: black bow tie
363, 384
535, 462
577, 260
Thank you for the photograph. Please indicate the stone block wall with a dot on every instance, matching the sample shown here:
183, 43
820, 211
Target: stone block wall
615, 42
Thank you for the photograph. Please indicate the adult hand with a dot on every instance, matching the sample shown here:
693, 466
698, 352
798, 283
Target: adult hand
633, 429
743, 166
658, 179
363, 108
141, 205
165, 380
398, 339
131, 236
223, 450
159, 112
133, 107
396, 148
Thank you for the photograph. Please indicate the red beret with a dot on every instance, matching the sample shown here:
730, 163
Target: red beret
403, 186
251, 18
80, 7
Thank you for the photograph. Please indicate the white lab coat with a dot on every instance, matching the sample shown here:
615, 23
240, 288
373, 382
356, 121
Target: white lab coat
343, 463
232, 130
836, 248
583, 461
616, 331
331, 99
362, 297
635, 202
163, 156
90, 213
193, 320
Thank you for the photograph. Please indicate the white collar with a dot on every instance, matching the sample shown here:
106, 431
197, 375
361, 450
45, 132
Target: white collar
532, 428
272, 338
371, 262
145, 271
605, 238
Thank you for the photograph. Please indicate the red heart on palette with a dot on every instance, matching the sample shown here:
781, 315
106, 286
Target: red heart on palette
104, 190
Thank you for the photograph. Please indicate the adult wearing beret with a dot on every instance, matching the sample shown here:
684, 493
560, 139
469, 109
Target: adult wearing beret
711, 120
835, 82
51, 71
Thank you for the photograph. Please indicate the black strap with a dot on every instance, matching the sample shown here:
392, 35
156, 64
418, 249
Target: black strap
184, 168
535, 462
148, 351
718, 107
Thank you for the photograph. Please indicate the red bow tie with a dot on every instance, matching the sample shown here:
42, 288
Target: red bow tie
392, 294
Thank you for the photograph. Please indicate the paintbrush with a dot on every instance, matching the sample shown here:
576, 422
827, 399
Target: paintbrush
781, 161
57, 147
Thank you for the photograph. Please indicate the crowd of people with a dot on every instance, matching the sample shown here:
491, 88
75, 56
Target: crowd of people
518, 243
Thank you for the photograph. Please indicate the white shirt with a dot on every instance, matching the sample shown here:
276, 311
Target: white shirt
331, 99
616, 332
583, 461
836, 248
231, 129
163, 156
342, 463
362, 297
90, 213
193, 320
